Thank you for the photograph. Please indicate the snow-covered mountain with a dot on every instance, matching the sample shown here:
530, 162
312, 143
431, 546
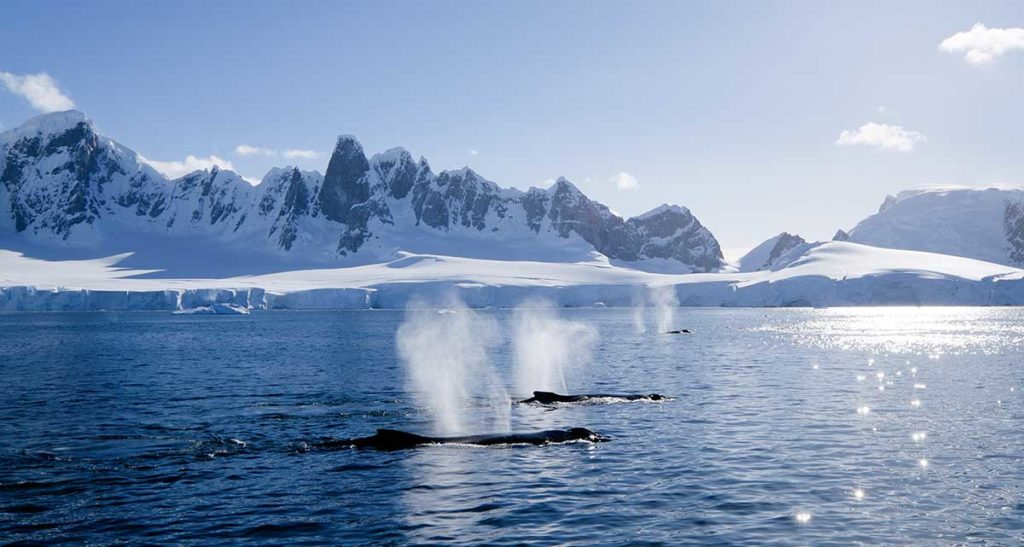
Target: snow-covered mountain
982, 223
66, 186
771, 254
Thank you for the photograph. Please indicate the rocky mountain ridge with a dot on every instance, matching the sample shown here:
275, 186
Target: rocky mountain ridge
64, 184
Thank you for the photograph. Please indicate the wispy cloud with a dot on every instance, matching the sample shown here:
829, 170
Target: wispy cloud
246, 150
175, 169
473, 153
881, 136
981, 45
291, 153
624, 181
40, 90
301, 154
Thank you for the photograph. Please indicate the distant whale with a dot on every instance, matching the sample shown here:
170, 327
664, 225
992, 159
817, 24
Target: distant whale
391, 439
678, 331
547, 398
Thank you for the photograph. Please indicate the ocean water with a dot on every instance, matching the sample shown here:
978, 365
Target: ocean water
898, 426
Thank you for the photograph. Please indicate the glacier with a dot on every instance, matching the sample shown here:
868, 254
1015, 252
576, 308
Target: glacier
825, 274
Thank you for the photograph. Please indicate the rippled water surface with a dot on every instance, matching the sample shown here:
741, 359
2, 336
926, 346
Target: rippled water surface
789, 426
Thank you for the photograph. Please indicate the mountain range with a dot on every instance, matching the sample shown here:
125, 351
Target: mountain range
69, 192
65, 186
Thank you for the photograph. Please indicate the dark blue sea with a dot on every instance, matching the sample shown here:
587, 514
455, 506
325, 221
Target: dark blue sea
837, 426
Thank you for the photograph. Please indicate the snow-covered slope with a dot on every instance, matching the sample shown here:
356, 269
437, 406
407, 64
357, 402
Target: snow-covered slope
767, 255
826, 274
65, 186
982, 223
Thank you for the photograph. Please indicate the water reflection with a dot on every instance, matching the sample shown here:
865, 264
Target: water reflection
752, 441
930, 332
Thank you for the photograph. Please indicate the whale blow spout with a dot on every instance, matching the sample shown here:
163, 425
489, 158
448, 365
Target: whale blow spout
392, 439
549, 398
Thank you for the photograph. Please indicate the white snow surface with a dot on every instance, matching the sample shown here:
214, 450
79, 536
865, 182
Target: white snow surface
956, 220
825, 274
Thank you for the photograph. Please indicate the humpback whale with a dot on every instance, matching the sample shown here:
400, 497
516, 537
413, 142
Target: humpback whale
679, 331
547, 398
392, 439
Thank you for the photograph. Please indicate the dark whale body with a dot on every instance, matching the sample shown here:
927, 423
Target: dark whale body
679, 331
547, 397
391, 439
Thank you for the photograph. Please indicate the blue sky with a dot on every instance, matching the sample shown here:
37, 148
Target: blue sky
733, 109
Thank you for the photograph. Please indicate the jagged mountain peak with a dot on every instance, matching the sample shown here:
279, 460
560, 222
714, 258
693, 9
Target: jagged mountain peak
772, 253
392, 155
348, 142
663, 208
565, 185
91, 188
49, 123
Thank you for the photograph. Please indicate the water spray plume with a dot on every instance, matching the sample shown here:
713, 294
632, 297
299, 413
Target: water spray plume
547, 347
639, 309
664, 301
448, 368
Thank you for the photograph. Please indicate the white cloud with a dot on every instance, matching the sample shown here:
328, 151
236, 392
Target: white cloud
175, 169
881, 136
255, 181
624, 181
246, 150
981, 45
473, 152
40, 90
291, 153
301, 154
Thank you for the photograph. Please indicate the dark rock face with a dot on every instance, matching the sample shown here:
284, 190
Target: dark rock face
400, 172
70, 189
889, 201
288, 197
1013, 224
58, 173
841, 235
787, 242
572, 212
459, 198
214, 197
535, 204
345, 183
676, 234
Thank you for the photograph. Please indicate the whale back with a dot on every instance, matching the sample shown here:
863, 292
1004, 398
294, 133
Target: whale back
395, 439
550, 397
